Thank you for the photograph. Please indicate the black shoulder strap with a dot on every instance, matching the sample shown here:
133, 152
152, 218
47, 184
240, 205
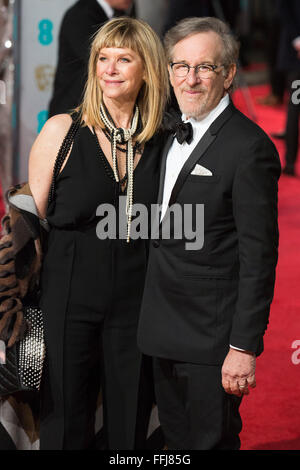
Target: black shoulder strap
63, 152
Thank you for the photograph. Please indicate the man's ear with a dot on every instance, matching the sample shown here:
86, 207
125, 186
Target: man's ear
230, 76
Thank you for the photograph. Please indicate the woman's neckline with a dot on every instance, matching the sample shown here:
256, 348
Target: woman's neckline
95, 136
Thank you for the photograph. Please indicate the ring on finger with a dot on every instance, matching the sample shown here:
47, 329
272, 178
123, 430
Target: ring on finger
242, 386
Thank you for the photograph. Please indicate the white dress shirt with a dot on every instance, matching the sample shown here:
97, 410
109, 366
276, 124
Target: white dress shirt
179, 153
108, 10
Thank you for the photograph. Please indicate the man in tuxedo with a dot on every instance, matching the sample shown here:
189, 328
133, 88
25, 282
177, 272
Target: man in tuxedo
79, 24
289, 62
177, 10
205, 310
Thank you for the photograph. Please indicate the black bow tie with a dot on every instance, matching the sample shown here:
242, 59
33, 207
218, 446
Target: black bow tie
183, 130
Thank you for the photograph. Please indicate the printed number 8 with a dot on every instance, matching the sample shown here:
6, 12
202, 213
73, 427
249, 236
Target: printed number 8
41, 118
45, 36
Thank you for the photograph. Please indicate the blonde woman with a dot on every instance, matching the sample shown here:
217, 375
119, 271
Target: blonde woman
92, 285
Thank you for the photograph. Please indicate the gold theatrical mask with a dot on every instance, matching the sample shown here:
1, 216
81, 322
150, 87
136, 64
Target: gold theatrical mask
44, 75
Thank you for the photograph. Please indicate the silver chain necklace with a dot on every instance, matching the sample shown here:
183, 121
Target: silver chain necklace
122, 135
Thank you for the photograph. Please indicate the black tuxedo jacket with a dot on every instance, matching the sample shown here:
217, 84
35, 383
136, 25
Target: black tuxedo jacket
79, 24
196, 303
289, 11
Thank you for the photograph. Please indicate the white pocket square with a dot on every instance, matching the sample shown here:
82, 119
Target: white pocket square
201, 171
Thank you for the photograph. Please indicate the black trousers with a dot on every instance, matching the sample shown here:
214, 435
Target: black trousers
292, 125
277, 77
194, 410
95, 355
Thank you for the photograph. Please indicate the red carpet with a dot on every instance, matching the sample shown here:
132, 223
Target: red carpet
271, 413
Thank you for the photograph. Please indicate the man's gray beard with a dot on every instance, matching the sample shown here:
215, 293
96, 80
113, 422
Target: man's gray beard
199, 113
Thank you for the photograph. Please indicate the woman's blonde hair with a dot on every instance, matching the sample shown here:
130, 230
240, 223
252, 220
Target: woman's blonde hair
139, 36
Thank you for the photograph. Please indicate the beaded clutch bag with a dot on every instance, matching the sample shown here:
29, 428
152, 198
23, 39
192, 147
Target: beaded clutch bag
24, 360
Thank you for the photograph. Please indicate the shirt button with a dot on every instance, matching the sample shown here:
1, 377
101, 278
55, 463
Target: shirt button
156, 244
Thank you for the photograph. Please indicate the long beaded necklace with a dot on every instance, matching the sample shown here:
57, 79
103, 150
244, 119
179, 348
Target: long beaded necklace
121, 135
137, 148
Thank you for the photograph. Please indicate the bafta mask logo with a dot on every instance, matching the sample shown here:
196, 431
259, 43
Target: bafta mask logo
44, 77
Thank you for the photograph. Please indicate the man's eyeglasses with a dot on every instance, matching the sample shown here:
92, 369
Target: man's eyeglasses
202, 70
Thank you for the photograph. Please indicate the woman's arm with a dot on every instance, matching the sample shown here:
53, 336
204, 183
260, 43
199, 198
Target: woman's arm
42, 158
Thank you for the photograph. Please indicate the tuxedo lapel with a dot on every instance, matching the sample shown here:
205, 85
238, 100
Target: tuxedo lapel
197, 153
200, 149
96, 12
156, 220
163, 168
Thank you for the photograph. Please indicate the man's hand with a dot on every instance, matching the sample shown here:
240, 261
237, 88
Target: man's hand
298, 51
238, 372
296, 44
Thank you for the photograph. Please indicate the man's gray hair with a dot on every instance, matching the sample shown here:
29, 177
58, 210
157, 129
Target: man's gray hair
190, 26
